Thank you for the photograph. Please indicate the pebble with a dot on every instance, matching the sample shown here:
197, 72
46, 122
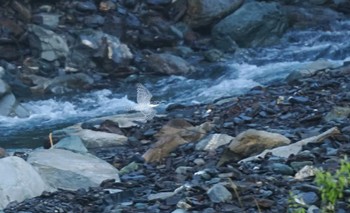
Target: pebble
282, 169
218, 193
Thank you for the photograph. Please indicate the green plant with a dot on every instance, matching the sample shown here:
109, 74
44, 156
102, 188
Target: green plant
332, 185
295, 205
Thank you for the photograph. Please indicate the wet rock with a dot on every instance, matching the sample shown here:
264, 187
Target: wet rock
67, 83
68, 170
203, 13
282, 169
20, 181
337, 113
254, 141
213, 141
309, 70
47, 44
253, 24
8, 103
218, 193
60, 84
168, 64
72, 143
213, 55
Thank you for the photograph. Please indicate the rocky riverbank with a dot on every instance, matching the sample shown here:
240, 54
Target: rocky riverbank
198, 166
257, 152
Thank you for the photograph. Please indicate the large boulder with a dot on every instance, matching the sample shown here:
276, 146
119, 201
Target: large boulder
91, 138
253, 24
48, 45
254, 141
59, 84
168, 64
19, 181
205, 12
68, 170
8, 103
106, 49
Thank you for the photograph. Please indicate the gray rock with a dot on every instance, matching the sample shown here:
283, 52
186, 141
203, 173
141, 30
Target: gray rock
59, 84
166, 63
202, 13
310, 198
199, 161
94, 139
305, 172
182, 170
2, 152
313, 209
68, 170
337, 113
72, 143
86, 6
253, 24
296, 165
47, 19
310, 69
2, 72
91, 138
160, 196
19, 181
317, 2
49, 45
213, 141
100, 42
158, 2
282, 169
213, 55
7, 104
67, 83
4, 88
179, 211
218, 193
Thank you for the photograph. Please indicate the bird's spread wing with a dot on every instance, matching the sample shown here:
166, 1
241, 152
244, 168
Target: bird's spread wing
143, 95
149, 113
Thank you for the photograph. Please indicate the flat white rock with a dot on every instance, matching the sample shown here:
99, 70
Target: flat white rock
19, 181
69, 170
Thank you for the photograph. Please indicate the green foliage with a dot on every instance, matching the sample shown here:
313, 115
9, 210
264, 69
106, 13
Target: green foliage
295, 205
332, 185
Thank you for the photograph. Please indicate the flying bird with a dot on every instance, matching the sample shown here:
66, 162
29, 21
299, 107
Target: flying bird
144, 104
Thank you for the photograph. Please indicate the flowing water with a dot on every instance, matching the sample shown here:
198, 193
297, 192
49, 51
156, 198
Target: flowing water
248, 68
